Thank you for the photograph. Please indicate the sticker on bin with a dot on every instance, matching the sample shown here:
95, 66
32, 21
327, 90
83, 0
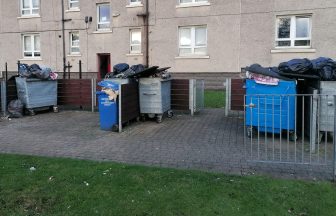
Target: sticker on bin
110, 88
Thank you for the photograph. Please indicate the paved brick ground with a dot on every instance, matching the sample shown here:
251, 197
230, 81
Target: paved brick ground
208, 141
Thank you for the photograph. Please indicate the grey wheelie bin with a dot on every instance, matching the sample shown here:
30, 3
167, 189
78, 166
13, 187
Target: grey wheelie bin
37, 94
155, 97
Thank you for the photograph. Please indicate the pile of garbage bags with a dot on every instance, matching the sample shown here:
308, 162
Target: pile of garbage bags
36, 71
124, 71
322, 68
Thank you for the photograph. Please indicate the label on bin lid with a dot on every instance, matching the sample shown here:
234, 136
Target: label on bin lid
109, 84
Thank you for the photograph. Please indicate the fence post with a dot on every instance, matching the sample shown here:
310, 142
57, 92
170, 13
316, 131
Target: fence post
334, 142
191, 97
4, 97
120, 109
18, 66
6, 72
80, 69
93, 94
227, 96
69, 70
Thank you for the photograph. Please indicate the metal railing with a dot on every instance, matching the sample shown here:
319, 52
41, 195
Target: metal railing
292, 129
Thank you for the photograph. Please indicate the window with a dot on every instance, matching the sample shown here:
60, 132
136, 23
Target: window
31, 45
73, 4
192, 1
135, 2
74, 43
30, 7
103, 17
135, 41
293, 31
193, 40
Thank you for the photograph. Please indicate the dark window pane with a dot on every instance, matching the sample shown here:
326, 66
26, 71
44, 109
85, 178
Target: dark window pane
283, 43
284, 27
302, 43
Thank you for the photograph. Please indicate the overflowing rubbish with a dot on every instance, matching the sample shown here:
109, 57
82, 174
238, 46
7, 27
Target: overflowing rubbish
124, 71
36, 71
262, 79
322, 68
300, 66
15, 109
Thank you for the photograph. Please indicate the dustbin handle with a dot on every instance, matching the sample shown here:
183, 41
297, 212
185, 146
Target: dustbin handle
145, 93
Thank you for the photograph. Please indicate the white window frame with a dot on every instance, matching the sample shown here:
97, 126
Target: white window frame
194, 2
71, 43
71, 2
137, 2
32, 41
193, 41
99, 23
131, 44
293, 37
30, 9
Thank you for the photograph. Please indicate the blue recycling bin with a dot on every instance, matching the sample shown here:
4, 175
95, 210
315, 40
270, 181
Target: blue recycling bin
270, 109
108, 109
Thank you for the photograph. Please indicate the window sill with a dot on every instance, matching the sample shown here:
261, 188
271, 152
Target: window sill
293, 50
134, 5
102, 32
74, 55
186, 5
134, 54
192, 57
31, 59
72, 10
29, 17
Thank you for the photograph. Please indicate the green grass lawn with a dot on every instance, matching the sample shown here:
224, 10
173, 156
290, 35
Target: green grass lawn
214, 99
75, 187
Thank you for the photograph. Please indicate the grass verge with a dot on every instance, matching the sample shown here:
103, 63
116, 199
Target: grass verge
76, 187
214, 98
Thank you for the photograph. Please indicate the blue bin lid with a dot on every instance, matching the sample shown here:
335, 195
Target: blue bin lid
109, 84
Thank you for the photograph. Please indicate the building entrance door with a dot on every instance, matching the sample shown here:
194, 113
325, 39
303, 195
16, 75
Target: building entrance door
104, 64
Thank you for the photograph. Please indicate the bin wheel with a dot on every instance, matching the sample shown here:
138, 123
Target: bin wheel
31, 112
292, 136
143, 118
55, 109
170, 114
159, 119
115, 128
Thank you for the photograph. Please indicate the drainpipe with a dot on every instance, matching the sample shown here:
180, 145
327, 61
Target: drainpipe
147, 32
145, 16
63, 37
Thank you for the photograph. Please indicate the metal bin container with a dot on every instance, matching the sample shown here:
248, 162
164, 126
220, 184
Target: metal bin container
36, 93
155, 97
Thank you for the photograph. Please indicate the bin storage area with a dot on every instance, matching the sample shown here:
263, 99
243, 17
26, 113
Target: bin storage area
36, 93
155, 97
273, 112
